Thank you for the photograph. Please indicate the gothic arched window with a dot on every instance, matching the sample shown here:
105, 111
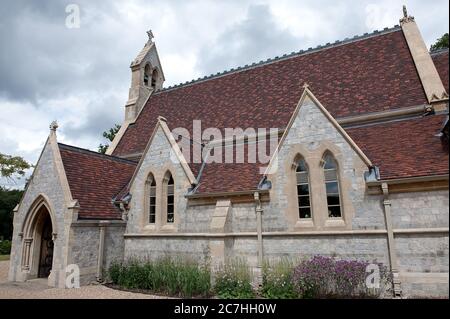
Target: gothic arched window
152, 199
303, 189
170, 210
330, 168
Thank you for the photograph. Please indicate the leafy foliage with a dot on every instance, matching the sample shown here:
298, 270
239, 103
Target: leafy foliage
317, 277
325, 277
277, 280
109, 135
441, 43
175, 277
11, 166
5, 247
233, 280
8, 200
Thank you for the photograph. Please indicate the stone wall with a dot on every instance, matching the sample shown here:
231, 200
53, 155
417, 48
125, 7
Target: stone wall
158, 160
84, 249
46, 185
154, 248
422, 255
420, 210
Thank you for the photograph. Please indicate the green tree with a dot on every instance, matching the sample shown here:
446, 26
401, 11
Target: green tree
13, 166
8, 200
109, 135
441, 43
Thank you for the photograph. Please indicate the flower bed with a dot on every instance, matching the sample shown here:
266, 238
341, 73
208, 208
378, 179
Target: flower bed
173, 277
317, 277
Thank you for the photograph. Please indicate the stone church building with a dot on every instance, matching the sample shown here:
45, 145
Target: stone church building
359, 168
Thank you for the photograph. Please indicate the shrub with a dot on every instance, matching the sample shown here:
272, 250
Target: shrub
277, 280
114, 272
325, 277
5, 247
233, 280
312, 278
169, 276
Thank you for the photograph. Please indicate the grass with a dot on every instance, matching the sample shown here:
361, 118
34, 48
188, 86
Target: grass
4, 257
174, 277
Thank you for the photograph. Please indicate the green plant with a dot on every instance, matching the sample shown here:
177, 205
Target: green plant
9, 198
326, 277
233, 280
5, 247
175, 277
441, 43
114, 272
277, 280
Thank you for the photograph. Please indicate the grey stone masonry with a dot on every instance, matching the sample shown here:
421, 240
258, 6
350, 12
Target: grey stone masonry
361, 234
84, 245
45, 184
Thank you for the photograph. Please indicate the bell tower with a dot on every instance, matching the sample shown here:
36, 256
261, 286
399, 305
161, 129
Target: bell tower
146, 77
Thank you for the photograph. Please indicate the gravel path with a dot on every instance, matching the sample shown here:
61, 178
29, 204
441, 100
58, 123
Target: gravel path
38, 289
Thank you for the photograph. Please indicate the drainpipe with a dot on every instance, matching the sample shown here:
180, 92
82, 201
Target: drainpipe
259, 211
391, 242
101, 251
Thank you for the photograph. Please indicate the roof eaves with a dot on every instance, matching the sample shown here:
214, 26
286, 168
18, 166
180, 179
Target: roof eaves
439, 51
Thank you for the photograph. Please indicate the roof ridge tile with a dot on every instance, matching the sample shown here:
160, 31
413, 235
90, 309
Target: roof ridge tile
319, 47
90, 152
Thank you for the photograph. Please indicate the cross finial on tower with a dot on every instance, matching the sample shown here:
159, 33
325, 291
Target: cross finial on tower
150, 35
406, 18
306, 86
53, 126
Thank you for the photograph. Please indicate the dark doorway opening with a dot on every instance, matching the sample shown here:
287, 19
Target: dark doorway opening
46, 252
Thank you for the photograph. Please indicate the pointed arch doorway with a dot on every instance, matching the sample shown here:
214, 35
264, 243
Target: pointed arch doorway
46, 249
39, 235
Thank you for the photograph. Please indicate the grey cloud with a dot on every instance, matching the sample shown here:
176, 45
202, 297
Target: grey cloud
43, 59
105, 116
257, 37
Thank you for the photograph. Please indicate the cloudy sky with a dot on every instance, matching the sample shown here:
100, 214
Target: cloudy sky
80, 76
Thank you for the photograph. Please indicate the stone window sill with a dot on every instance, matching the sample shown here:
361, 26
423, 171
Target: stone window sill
150, 227
168, 228
304, 223
335, 222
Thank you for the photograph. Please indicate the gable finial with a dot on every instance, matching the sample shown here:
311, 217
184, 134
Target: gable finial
306, 86
150, 35
54, 126
406, 18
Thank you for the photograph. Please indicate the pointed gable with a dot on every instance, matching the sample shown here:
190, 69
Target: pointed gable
369, 74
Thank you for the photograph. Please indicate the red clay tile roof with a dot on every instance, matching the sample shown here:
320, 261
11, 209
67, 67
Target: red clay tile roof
94, 179
440, 59
236, 177
370, 74
407, 148
364, 75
